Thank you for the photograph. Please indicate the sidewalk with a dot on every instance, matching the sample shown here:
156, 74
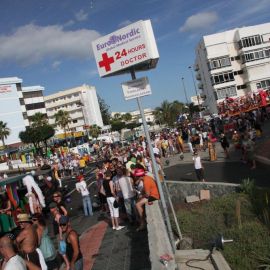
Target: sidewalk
104, 248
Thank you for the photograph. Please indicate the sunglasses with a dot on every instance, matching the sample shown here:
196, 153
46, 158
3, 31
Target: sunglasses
62, 225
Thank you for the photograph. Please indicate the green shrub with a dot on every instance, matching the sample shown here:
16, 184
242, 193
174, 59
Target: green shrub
203, 222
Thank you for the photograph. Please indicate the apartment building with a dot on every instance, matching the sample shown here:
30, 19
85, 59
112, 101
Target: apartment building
233, 64
34, 100
12, 108
80, 102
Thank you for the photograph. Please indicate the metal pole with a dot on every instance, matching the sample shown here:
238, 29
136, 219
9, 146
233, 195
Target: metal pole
173, 212
162, 198
185, 90
195, 88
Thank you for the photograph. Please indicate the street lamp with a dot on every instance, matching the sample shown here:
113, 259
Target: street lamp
195, 88
185, 89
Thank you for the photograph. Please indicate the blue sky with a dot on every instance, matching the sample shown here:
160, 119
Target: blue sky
48, 42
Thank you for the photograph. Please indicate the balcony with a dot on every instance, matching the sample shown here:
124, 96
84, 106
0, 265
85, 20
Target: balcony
198, 77
196, 67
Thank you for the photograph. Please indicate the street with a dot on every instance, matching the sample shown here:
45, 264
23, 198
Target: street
230, 172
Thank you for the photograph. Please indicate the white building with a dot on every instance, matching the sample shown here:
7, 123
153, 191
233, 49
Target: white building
233, 63
81, 103
136, 115
34, 100
12, 108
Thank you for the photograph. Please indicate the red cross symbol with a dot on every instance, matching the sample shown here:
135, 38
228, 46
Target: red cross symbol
106, 62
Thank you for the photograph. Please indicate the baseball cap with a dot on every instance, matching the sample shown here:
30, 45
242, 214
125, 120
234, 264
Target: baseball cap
52, 205
139, 172
63, 220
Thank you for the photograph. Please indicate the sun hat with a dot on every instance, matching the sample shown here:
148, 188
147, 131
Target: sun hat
23, 218
139, 172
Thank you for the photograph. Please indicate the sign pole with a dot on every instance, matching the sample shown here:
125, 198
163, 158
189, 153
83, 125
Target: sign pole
162, 198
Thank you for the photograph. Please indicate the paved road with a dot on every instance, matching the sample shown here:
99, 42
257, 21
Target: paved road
231, 172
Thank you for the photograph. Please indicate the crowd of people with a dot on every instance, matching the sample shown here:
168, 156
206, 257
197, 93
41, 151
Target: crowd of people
125, 184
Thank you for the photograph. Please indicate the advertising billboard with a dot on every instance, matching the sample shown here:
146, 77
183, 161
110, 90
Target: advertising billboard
132, 46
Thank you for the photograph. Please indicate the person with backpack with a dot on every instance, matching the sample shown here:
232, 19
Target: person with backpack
45, 244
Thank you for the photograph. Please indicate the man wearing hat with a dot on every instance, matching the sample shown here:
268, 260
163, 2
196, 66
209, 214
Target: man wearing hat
149, 193
27, 240
73, 251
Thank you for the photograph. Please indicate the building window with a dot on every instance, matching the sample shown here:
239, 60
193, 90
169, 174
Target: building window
256, 55
32, 94
24, 115
21, 101
243, 86
226, 92
263, 84
35, 106
222, 77
74, 121
219, 62
250, 41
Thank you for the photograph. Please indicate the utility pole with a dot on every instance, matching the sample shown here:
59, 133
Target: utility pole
195, 88
183, 82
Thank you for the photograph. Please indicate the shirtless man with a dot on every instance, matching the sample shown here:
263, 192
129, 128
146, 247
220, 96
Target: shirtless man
27, 241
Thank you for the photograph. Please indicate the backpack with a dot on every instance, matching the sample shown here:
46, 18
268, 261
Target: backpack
46, 246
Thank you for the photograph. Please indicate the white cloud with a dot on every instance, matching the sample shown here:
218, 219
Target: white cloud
31, 43
81, 15
69, 23
124, 23
56, 64
199, 21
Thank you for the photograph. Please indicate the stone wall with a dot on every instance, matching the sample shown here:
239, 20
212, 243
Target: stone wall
180, 190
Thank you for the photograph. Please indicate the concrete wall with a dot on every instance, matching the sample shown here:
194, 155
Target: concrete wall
180, 190
158, 238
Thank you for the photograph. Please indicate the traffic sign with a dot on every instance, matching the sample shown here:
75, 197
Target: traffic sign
136, 88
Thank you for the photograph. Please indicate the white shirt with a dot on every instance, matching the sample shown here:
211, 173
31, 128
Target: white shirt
126, 187
15, 262
82, 188
156, 151
197, 162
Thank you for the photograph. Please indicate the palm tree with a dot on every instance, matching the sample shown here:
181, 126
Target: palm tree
4, 132
163, 113
38, 120
94, 131
62, 119
127, 117
168, 112
117, 116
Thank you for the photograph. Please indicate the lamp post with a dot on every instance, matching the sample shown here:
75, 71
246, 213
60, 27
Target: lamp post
195, 88
183, 82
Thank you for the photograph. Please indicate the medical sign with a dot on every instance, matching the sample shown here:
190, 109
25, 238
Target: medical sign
132, 46
136, 88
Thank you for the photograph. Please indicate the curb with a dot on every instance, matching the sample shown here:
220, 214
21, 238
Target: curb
262, 159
